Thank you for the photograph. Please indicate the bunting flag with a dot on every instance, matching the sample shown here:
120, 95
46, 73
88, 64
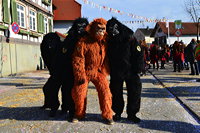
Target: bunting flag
112, 10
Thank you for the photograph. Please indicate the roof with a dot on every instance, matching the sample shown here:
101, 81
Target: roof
146, 31
188, 28
66, 10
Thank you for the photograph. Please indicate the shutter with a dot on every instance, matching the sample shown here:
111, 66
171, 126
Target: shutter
14, 10
6, 12
50, 25
38, 22
42, 23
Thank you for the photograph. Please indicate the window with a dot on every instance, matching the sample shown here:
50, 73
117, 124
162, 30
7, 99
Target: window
21, 15
46, 2
32, 20
45, 25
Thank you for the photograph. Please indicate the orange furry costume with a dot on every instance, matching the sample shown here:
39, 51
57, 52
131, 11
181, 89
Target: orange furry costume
89, 65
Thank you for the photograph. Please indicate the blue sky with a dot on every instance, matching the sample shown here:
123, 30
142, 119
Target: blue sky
151, 9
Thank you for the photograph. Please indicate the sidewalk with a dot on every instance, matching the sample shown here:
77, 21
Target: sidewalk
160, 111
182, 85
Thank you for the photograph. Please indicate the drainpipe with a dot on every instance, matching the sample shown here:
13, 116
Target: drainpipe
198, 29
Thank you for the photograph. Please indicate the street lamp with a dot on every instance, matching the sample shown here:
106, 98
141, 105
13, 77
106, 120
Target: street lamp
198, 29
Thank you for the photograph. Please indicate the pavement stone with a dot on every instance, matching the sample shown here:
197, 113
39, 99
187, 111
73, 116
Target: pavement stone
160, 111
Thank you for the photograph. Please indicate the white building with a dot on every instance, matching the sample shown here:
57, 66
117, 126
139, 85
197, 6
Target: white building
168, 35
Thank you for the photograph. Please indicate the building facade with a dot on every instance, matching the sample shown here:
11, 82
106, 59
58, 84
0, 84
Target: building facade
144, 34
20, 51
165, 33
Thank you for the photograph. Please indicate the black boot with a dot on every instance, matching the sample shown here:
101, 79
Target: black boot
44, 106
109, 121
70, 116
117, 117
135, 119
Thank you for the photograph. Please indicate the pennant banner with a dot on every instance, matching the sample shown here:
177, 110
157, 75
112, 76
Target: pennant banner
112, 10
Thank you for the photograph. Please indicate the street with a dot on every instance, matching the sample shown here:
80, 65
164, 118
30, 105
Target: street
170, 104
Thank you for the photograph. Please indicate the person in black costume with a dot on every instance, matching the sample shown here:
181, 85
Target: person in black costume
126, 62
62, 72
51, 43
49, 46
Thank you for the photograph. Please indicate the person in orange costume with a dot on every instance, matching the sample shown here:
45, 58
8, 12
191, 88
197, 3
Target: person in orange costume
89, 64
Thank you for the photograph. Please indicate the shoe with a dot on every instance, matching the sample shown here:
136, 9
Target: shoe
44, 106
75, 120
117, 117
109, 121
52, 113
191, 74
135, 119
162, 68
198, 80
70, 116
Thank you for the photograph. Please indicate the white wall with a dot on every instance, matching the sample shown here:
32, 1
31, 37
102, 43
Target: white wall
62, 26
186, 39
149, 39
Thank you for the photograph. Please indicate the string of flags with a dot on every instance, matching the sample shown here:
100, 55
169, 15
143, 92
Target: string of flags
112, 10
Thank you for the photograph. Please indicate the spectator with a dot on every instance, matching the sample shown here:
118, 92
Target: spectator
154, 54
176, 56
190, 53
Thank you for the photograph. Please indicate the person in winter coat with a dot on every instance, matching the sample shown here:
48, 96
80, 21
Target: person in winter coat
154, 55
190, 52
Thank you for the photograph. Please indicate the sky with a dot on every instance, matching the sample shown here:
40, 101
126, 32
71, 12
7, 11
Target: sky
141, 9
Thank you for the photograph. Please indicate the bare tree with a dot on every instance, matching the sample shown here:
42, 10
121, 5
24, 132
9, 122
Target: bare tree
192, 8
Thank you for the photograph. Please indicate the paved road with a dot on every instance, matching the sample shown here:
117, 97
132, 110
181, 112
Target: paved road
161, 111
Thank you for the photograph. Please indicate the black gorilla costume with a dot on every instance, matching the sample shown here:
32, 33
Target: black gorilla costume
61, 74
126, 60
49, 47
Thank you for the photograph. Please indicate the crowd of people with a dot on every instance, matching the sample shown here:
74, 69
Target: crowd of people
183, 56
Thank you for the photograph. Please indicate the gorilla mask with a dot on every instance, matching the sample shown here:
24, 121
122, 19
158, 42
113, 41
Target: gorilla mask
78, 27
81, 28
113, 29
97, 29
118, 31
